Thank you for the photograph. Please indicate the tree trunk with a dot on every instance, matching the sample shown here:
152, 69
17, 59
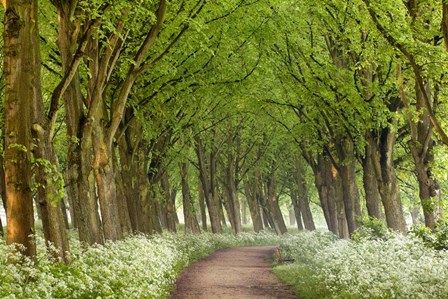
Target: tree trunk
129, 149
89, 224
169, 202
208, 185
346, 170
387, 180
191, 223
202, 207
274, 208
107, 192
122, 201
323, 180
295, 212
254, 207
244, 212
373, 197
2, 190
421, 146
80, 183
303, 203
21, 88
49, 193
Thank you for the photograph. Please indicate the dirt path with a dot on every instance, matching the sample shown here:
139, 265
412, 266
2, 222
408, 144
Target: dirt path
232, 273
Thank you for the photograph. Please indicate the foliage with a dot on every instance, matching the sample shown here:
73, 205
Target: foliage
138, 267
371, 229
396, 267
437, 239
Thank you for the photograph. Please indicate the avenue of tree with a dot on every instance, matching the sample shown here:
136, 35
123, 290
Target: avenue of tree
119, 113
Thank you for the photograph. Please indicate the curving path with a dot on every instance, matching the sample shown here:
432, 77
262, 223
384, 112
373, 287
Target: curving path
232, 273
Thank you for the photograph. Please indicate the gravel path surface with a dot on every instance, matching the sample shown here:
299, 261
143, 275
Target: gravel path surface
232, 273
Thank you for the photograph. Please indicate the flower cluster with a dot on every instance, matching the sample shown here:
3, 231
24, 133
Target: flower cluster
394, 267
137, 267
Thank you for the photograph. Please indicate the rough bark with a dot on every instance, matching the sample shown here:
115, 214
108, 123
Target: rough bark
387, 180
373, 197
209, 190
421, 146
347, 171
80, 188
106, 187
21, 87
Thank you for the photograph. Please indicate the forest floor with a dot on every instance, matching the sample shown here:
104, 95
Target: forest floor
233, 273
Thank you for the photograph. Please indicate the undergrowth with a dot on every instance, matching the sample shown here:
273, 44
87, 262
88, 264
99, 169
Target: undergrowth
373, 265
137, 267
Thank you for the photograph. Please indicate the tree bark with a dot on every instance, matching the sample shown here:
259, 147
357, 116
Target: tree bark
2, 190
303, 202
80, 184
296, 213
208, 187
387, 180
169, 202
123, 211
373, 197
346, 169
21, 87
191, 223
273, 206
254, 207
421, 146
202, 207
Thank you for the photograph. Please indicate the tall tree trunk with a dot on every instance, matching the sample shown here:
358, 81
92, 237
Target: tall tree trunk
208, 185
202, 207
302, 196
421, 146
387, 180
106, 187
244, 212
347, 172
123, 211
169, 202
21, 87
373, 197
296, 213
46, 168
324, 178
273, 206
49, 197
89, 223
130, 160
254, 207
2, 190
191, 223
80, 183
